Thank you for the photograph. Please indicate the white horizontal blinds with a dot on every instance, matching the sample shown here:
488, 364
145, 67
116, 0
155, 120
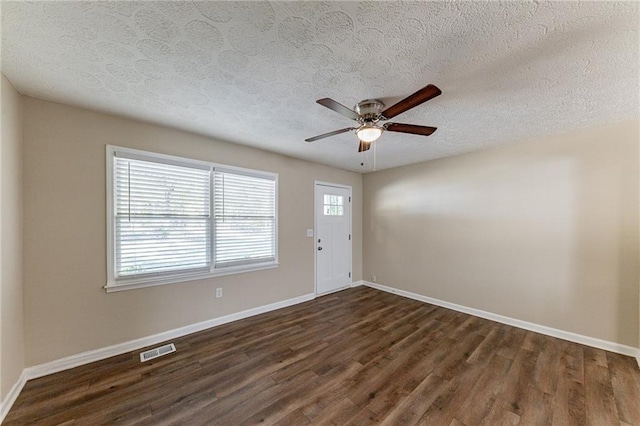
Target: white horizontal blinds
245, 219
162, 217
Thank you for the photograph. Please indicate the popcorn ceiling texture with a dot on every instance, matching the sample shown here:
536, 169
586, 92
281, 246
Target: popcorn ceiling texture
250, 72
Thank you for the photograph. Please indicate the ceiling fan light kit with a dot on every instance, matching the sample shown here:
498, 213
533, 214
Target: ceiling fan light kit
370, 112
369, 133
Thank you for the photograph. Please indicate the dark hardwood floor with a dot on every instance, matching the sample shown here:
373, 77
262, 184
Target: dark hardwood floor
357, 357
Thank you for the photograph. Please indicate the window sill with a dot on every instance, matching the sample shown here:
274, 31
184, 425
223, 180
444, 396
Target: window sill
133, 284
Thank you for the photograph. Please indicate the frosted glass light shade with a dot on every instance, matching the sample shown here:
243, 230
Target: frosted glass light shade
369, 133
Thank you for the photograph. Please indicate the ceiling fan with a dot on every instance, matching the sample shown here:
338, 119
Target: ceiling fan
370, 112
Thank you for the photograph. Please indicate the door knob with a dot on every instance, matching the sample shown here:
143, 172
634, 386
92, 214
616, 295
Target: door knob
319, 248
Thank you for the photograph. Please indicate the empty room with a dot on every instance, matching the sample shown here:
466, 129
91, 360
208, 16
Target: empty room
293, 213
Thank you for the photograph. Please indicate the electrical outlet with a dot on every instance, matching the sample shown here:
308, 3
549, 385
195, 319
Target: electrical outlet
218, 293
373, 278
309, 232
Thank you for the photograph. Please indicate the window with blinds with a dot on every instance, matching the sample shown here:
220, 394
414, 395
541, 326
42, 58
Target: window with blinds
174, 219
245, 219
162, 219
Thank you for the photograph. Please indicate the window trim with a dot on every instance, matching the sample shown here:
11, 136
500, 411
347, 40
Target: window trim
151, 280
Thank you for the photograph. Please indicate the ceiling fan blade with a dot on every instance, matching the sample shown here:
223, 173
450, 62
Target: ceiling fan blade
326, 135
410, 128
339, 108
364, 146
428, 92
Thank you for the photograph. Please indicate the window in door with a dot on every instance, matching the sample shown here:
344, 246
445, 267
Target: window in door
333, 205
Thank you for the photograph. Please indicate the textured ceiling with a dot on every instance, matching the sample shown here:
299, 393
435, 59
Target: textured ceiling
250, 72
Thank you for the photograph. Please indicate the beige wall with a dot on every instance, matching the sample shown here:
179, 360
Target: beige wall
12, 359
545, 231
67, 310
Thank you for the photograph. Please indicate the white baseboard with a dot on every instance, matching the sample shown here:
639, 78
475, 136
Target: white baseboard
102, 353
553, 332
357, 283
7, 402
132, 345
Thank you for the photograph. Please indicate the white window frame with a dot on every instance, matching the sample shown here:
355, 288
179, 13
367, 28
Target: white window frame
130, 283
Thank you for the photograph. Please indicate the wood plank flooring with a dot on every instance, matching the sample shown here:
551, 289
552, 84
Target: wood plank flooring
356, 357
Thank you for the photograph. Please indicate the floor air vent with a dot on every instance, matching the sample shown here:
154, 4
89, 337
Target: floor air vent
155, 353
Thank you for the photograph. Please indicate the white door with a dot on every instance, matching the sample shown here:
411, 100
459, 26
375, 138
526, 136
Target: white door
333, 238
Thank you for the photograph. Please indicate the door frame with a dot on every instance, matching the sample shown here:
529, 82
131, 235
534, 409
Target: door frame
316, 184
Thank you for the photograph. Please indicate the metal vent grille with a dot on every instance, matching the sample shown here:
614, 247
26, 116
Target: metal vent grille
155, 353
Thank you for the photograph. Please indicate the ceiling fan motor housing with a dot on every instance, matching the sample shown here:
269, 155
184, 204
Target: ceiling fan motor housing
369, 109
